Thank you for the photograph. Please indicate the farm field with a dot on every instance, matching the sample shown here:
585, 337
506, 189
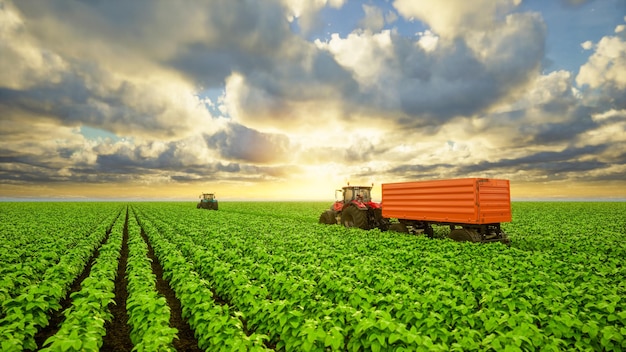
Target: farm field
265, 276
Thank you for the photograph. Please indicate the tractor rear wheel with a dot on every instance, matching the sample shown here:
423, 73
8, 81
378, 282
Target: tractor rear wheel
464, 235
353, 217
328, 218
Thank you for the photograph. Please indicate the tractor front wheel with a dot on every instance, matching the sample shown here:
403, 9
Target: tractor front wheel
328, 218
353, 217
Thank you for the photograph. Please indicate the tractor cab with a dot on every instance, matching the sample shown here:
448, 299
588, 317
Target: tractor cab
355, 208
207, 197
359, 193
359, 196
207, 201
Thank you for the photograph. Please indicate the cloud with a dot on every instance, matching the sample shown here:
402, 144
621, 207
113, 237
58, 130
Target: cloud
604, 73
238, 142
399, 78
56, 82
588, 45
453, 18
70, 158
465, 96
545, 133
306, 12
271, 76
374, 19
563, 164
289, 93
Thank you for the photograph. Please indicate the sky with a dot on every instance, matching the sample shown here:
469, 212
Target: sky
292, 99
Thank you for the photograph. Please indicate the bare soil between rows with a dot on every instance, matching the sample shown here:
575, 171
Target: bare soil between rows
57, 317
186, 340
117, 337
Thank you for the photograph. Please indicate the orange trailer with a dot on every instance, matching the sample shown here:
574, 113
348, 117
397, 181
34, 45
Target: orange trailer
472, 207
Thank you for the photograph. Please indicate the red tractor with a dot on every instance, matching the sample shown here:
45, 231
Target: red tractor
473, 208
356, 209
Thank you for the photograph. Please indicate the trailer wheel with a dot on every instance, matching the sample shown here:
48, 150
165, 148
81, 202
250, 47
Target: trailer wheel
398, 227
464, 235
504, 238
353, 217
328, 218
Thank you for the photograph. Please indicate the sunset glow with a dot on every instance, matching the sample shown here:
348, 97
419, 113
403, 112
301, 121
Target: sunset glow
291, 99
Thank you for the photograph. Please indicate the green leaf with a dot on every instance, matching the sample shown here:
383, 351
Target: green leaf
393, 337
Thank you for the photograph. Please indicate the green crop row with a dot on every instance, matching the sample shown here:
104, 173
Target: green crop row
294, 318
29, 311
254, 276
279, 319
215, 326
148, 312
84, 324
462, 296
297, 300
35, 236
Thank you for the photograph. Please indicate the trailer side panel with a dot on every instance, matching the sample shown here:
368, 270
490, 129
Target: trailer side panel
462, 201
494, 201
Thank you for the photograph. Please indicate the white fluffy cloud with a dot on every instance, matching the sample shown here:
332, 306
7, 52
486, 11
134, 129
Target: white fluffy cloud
607, 66
463, 97
451, 18
428, 81
24, 64
56, 81
305, 11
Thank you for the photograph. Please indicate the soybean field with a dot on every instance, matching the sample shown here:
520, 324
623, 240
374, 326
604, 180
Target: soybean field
262, 276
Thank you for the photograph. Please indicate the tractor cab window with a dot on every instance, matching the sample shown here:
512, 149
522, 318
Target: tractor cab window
364, 194
348, 194
361, 194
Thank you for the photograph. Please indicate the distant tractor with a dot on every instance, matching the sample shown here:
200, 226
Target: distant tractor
473, 208
207, 201
355, 209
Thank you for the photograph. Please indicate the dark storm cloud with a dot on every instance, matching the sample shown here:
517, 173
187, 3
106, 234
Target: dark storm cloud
244, 37
75, 101
461, 84
610, 95
170, 157
579, 121
95, 63
238, 142
548, 163
458, 77
209, 41
571, 163
449, 83
420, 172
66, 101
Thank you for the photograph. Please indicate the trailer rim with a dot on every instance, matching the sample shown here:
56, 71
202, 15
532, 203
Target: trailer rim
465, 235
